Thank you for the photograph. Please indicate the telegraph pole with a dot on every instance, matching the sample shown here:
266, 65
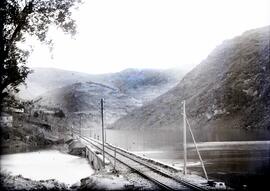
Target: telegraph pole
80, 124
72, 130
184, 138
102, 125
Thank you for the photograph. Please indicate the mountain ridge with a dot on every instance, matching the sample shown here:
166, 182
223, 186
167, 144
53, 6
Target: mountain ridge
129, 81
230, 84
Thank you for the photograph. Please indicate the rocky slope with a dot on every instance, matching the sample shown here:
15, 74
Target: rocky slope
42, 80
122, 91
143, 84
229, 89
84, 99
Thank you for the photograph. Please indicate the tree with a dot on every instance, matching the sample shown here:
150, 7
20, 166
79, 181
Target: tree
32, 17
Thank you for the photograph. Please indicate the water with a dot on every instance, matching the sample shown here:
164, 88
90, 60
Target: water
47, 164
245, 162
171, 139
238, 164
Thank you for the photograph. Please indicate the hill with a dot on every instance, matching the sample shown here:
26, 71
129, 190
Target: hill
145, 84
42, 80
142, 84
84, 99
230, 89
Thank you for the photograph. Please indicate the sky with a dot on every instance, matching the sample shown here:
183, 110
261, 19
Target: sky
117, 34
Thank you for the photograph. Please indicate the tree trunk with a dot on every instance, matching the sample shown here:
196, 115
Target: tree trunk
2, 48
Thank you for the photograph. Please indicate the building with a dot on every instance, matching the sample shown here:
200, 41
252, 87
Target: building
6, 120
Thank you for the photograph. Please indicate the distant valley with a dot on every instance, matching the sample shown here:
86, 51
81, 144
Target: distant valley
79, 93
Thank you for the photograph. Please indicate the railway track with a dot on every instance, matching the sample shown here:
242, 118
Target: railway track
162, 178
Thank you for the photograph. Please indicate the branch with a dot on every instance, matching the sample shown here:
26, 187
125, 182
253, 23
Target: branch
25, 12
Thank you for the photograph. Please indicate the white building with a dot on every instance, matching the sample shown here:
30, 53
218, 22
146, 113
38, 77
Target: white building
6, 120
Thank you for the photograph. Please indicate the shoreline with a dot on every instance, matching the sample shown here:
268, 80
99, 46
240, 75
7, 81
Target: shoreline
99, 180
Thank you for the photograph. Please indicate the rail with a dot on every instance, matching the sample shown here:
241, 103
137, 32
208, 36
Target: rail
157, 174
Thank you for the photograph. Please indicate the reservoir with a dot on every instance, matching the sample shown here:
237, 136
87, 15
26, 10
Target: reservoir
47, 164
233, 156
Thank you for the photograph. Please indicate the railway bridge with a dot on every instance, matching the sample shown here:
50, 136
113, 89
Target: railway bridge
164, 176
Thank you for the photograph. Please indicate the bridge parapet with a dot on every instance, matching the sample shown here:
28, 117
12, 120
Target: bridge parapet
95, 158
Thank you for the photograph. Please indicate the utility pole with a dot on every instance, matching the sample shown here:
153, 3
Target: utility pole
72, 130
102, 124
114, 164
80, 124
184, 138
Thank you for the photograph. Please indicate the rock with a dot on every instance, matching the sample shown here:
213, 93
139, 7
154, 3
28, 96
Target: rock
105, 182
68, 139
9, 182
76, 148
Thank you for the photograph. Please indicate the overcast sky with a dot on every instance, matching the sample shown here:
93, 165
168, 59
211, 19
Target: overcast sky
118, 34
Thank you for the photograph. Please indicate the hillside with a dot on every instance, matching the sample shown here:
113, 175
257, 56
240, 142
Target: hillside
143, 84
84, 98
42, 80
229, 89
